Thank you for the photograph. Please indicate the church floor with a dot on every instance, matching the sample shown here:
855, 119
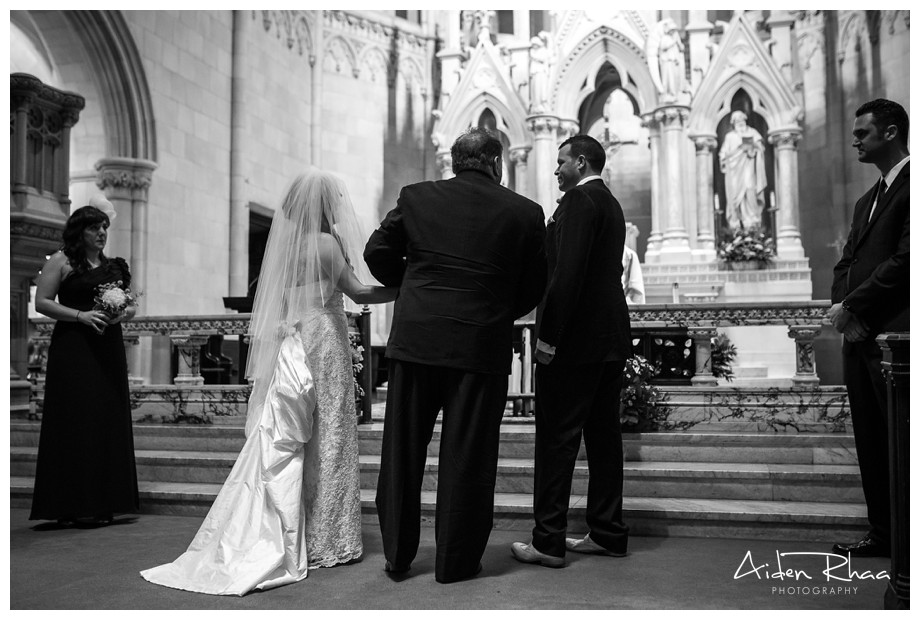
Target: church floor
98, 569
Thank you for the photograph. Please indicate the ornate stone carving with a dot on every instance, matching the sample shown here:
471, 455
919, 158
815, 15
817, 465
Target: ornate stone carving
35, 230
704, 144
125, 179
543, 126
519, 155
785, 139
804, 336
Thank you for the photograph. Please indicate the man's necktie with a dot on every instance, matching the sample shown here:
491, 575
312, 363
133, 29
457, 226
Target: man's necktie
882, 186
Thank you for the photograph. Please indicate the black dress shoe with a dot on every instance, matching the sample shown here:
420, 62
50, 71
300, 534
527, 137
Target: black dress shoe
456, 579
396, 570
868, 547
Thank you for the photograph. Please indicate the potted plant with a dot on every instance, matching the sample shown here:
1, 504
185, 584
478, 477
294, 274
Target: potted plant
748, 250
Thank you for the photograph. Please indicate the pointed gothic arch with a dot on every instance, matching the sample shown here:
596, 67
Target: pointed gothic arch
117, 77
576, 76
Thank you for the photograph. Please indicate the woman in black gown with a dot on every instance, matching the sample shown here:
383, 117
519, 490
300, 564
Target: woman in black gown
85, 471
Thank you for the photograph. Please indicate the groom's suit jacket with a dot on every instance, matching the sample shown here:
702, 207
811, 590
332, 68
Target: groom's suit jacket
468, 256
873, 275
584, 314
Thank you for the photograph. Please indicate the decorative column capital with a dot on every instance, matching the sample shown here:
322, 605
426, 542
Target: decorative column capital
543, 125
804, 332
519, 154
125, 173
672, 117
699, 333
785, 138
704, 144
567, 128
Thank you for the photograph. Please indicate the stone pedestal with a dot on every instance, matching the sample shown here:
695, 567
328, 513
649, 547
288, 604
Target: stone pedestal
804, 336
189, 347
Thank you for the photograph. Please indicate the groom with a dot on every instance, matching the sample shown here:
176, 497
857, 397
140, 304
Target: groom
583, 341
469, 259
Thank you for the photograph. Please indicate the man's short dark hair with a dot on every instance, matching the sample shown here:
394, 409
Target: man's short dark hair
885, 113
475, 149
589, 147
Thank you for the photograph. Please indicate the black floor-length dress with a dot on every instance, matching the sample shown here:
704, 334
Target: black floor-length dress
86, 448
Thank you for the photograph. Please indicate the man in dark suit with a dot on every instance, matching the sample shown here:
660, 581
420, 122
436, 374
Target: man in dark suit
469, 259
583, 341
871, 295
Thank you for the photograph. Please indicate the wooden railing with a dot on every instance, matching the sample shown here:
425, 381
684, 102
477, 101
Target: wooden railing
699, 322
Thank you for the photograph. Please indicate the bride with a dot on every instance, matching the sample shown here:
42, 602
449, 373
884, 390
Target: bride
292, 500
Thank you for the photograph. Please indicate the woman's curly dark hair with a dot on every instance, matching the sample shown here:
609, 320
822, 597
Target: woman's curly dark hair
73, 248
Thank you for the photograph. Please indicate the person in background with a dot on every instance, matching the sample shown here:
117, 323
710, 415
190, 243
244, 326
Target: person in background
870, 295
85, 472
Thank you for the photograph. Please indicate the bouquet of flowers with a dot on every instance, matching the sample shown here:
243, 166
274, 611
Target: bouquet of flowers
642, 405
112, 298
755, 247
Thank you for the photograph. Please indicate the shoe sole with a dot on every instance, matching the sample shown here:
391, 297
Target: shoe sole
540, 561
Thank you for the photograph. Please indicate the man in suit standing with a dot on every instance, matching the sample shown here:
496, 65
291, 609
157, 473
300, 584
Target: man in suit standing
871, 295
583, 341
469, 259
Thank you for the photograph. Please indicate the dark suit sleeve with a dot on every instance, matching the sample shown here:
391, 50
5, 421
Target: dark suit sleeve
575, 228
839, 287
385, 252
533, 280
886, 282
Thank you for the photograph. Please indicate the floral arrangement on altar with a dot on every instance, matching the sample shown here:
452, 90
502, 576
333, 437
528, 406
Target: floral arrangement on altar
642, 405
723, 354
748, 247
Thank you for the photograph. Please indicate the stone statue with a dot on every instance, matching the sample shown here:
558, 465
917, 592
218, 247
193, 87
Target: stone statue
665, 51
741, 159
542, 59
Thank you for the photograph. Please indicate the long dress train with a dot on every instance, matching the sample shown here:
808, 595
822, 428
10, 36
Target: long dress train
292, 500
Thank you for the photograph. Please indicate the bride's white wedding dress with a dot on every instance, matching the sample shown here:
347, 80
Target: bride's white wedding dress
292, 500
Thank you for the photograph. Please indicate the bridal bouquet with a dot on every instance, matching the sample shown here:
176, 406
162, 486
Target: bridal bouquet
112, 298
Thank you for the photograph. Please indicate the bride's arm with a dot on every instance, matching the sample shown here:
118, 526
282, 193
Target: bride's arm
361, 293
347, 282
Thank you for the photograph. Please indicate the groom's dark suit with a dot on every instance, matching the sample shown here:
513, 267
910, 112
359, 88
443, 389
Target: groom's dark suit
872, 278
584, 315
469, 259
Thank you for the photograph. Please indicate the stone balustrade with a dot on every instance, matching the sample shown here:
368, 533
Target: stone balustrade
187, 335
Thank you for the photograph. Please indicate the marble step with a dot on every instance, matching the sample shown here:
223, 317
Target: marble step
790, 482
517, 441
646, 516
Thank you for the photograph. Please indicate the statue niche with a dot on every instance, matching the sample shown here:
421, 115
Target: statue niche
744, 169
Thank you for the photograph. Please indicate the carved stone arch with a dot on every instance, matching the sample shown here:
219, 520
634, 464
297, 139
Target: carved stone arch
304, 37
117, 76
766, 102
374, 64
339, 55
411, 73
585, 60
470, 110
854, 26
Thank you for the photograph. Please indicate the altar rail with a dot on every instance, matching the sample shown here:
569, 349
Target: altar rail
188, 334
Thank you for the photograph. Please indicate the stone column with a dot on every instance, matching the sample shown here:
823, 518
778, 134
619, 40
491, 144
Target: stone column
444, 164
653, 245
238, 250
804, 336
132, 352
189, 346
788, 239
545, 130
316, 91
702, 344
705, 236
125, 182
519, 159
675, 243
